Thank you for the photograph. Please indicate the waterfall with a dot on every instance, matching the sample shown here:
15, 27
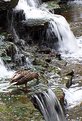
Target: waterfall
49, 106
4, 73
24, 4
58, 25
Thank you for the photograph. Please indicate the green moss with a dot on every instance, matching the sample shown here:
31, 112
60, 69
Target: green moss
52, 5
17, 108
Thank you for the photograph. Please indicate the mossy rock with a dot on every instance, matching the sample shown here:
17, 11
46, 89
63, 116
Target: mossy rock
67, 81
7, 51
10, 48
60, 95
52, 5
18, 108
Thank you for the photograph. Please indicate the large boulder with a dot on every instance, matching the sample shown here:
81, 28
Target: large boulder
34, 30
30, 30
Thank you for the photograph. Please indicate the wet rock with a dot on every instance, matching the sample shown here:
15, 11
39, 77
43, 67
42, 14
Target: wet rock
3, 20
7, 4
5, 9
67, 81
30, 30
9, 37
36, 22
71, 73
11, 49
67, 71
45, 50
40, 62
33, 31
19, 59
18, 107
48, 60
60, 95
21, 43
58, 55
7, 51
10, 52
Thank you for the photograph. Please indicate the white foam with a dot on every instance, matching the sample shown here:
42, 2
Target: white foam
4, 73
73, 96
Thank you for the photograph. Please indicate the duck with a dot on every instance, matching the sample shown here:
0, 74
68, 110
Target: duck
23, 76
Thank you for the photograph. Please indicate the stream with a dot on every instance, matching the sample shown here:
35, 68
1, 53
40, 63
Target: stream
14, 104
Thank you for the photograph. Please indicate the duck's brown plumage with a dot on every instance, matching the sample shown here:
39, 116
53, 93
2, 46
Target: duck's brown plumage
22, 77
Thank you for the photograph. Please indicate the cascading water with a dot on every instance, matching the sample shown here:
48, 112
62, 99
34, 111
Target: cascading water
34, 3
49, 106
67, 45
75, 2
58, 26
4, 74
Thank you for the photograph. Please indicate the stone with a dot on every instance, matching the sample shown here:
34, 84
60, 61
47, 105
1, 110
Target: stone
60, 95
36, 22
7, 4
30, 30
67, 81
45, 50
7, 51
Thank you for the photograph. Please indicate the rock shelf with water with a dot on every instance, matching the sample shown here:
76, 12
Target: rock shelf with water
32, 46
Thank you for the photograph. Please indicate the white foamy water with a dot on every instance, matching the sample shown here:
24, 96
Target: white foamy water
75, 56
73, 96
4, 73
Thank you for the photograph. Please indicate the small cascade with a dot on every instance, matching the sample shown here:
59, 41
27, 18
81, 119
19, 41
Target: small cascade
66, 39
4, 73
49, 106
58, 26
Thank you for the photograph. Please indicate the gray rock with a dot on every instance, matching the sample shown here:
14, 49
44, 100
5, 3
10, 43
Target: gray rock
36, 22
